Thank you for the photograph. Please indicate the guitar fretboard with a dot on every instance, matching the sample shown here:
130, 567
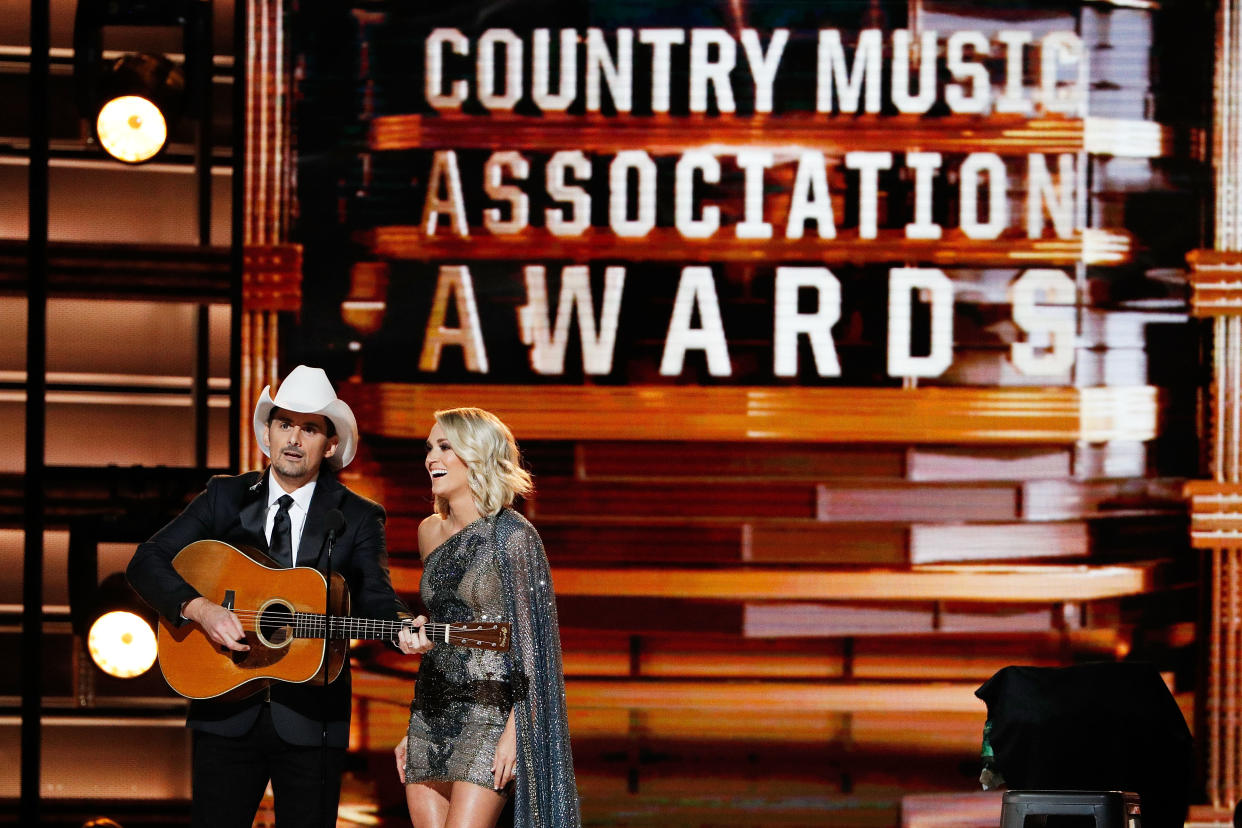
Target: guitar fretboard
311, 625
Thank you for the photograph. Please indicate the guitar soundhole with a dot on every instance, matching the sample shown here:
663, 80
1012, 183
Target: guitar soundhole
275, 628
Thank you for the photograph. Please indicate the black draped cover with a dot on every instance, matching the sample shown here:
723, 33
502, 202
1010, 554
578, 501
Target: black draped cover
1105, 726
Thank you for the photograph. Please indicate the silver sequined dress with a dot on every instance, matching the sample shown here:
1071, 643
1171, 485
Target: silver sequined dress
463, 696
496, 569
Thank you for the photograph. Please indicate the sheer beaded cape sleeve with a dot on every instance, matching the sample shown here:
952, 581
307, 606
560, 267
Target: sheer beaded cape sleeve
546, 794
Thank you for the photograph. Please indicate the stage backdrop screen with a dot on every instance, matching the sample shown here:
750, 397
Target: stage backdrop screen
692, 194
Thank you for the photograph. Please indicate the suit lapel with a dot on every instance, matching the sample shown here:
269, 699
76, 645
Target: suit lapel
253, 512
328, 495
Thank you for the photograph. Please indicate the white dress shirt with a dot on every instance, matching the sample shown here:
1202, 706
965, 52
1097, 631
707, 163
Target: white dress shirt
297, 512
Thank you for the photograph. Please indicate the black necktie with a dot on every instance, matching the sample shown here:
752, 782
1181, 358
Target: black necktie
281, 546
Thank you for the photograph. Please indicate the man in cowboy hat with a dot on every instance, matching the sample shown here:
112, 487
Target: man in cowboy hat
283, 511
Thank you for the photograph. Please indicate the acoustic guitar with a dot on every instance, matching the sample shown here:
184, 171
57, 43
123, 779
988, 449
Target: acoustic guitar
282, 612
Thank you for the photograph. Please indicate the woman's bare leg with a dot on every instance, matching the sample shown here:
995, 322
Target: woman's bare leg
473, 806
428, 803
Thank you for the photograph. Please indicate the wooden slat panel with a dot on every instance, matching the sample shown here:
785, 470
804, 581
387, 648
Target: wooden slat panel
782, 619
954, 658
779, 619
977, 809
811, 620
738, 500
665, 244
734, 658
806, 696
951, 732
380, 722
1007, 584
706, 726
573, 542
609, 653
663, 134
918, 502
655, 499
655, 615
821, 415
1000, 463
1069, 499
182, 273
732, 695
590, 540
608, 460
948, 542
836, 544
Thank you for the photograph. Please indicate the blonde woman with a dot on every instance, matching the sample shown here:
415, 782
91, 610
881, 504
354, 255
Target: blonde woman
486, 725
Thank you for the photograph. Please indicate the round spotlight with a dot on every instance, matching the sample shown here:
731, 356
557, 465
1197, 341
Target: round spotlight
141, 96
122, 644
131, 129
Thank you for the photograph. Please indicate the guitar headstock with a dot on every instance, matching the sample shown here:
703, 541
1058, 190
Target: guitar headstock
486, 636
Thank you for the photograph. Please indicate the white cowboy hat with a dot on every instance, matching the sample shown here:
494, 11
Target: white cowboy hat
307, 391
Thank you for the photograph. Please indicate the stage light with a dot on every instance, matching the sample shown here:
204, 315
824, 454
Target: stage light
142, 96
131, 103
115, 625
122, 644
131, 128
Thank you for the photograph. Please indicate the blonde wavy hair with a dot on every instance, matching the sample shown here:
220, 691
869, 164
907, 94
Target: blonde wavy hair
493, 462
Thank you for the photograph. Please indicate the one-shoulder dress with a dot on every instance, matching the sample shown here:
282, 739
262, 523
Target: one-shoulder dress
463, 695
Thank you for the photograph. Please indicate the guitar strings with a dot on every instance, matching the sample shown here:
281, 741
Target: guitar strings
315, 622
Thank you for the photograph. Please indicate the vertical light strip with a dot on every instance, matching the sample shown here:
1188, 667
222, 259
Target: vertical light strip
1232, 389
246, 392
1226, 423
273, 329
250, 391
1233, 66
261, 117
251, 85
1217, 400
268, 182
274, 116
1229, 744
1215, 697
1220, 131
283, 158
1223, 138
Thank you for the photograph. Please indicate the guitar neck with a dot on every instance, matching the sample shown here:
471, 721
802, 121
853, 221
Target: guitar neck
313, 625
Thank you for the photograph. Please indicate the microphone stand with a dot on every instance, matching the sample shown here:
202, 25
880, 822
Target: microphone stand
337, 521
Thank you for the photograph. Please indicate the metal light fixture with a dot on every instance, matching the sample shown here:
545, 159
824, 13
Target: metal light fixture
121, 639
142, 96
121, 644
132, 102
115, 626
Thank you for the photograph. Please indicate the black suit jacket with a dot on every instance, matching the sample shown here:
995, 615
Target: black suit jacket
232, 509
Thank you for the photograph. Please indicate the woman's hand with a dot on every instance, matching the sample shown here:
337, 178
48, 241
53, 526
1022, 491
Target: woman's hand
412, 638
399, 753
504, 766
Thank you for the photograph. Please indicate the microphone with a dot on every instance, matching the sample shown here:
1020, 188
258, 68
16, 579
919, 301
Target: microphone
335, 522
